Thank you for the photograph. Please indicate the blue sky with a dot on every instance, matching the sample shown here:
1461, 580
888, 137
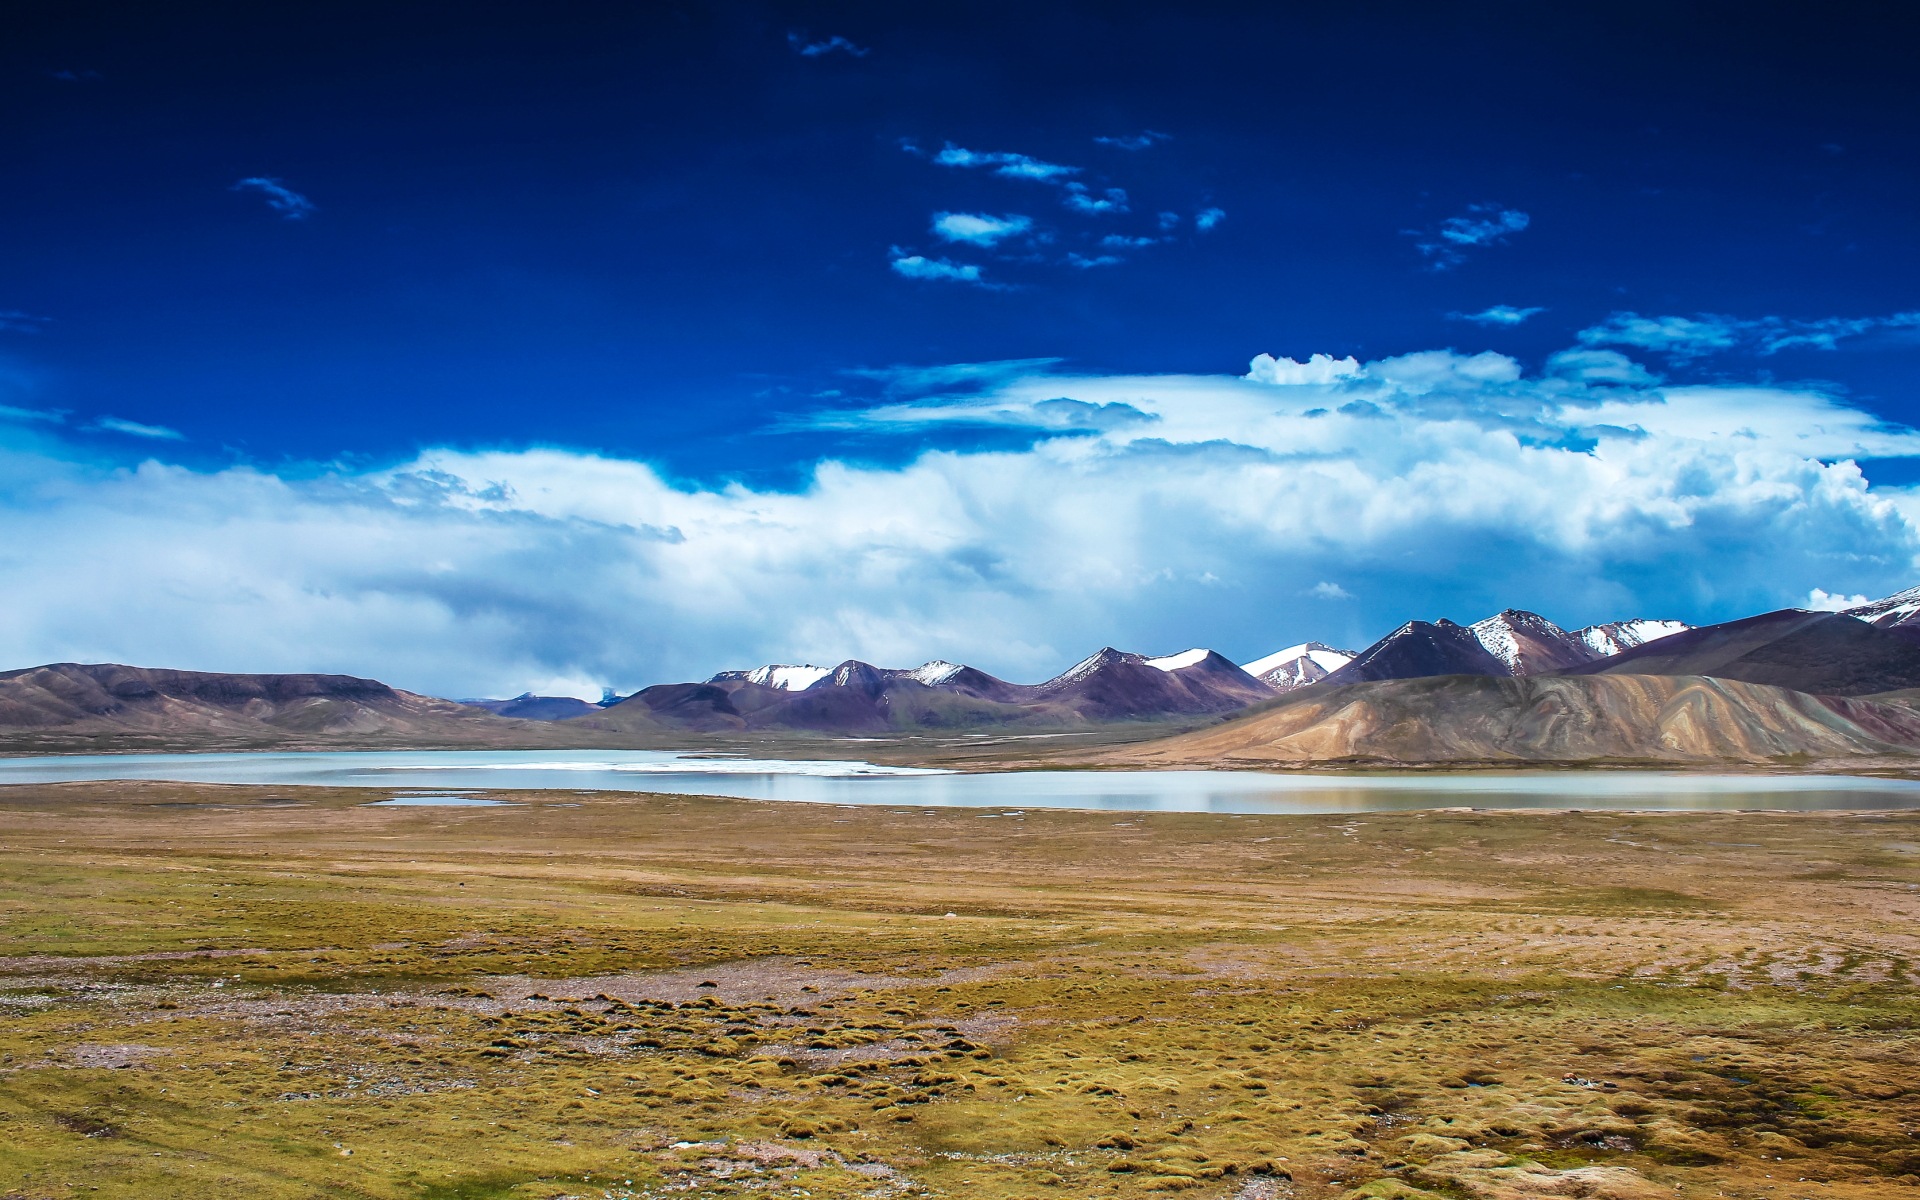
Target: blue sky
470, 349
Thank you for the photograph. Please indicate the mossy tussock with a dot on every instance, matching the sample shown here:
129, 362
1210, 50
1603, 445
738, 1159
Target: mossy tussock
683, 997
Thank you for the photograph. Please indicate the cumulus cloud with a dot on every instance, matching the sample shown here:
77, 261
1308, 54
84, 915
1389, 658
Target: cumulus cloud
1207, 218
1001, 162
916, 266
807, 47
1143, 140
290, 204
1821, 600
1081, 200
1499, 315
1686, 338
1445, 245
1141, 510
979, 229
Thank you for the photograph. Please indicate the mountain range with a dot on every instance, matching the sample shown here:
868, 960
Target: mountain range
1794, 670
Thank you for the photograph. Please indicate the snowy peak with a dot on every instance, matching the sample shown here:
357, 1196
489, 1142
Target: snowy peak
935, 673
1529, 644
1298, 666
1104, 657
1901, 608
1616, 637
779, 676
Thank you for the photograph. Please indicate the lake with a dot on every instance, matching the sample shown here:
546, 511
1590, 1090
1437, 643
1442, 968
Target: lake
848, 782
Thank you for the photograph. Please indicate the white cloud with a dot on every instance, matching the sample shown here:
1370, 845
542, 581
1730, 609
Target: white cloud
979, 229
1681, 337
1499, 314
159, 433
1137, 141
1079, 199
1687, 338
1329, 591
1599, 367
1481, 225
916, 266
1144, 510
1207, 218
817, 47
288, 203
1083, 262
1820, 600
1013, 166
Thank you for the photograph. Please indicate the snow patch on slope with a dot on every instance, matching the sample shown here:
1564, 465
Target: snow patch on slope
1897, 609
1174, 662
788, 678
1298, 666
1615, 636
935, 673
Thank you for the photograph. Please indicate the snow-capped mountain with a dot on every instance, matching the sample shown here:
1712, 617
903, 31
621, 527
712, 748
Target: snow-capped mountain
779, 676
1529, 644
1298, 666
1513, 642
1421, 648
1902, 609
1617, 636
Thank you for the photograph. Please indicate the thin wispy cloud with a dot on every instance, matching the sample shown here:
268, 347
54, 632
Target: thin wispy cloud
1121, 241
1084, 262
1143, 140
1082, 200
10, 412
980, 229
1446, 245
916, 266
1002, 162
1207, 218
69, 75
1169, 220
807, 47
12, 320
1499, 314
291, 205
158, 433
1686, 338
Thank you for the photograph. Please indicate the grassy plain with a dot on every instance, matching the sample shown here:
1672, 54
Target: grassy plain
216, 992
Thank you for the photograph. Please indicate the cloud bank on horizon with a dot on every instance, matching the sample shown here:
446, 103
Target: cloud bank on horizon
1321, 500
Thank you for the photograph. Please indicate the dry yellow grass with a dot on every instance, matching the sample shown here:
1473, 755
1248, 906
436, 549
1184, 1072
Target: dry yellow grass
210, 992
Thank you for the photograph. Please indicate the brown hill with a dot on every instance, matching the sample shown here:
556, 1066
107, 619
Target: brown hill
1545, 719
143, 706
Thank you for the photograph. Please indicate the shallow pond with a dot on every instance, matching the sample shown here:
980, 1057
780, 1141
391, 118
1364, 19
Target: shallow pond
830, 782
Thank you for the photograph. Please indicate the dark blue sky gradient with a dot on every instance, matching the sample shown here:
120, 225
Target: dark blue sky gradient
659, 231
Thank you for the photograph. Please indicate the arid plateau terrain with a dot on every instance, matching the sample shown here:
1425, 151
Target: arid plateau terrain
228, 992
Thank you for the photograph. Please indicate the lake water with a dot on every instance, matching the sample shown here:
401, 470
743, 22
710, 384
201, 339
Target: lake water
414, 776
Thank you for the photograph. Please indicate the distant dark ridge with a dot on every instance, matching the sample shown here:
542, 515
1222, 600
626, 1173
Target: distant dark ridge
1827, 653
